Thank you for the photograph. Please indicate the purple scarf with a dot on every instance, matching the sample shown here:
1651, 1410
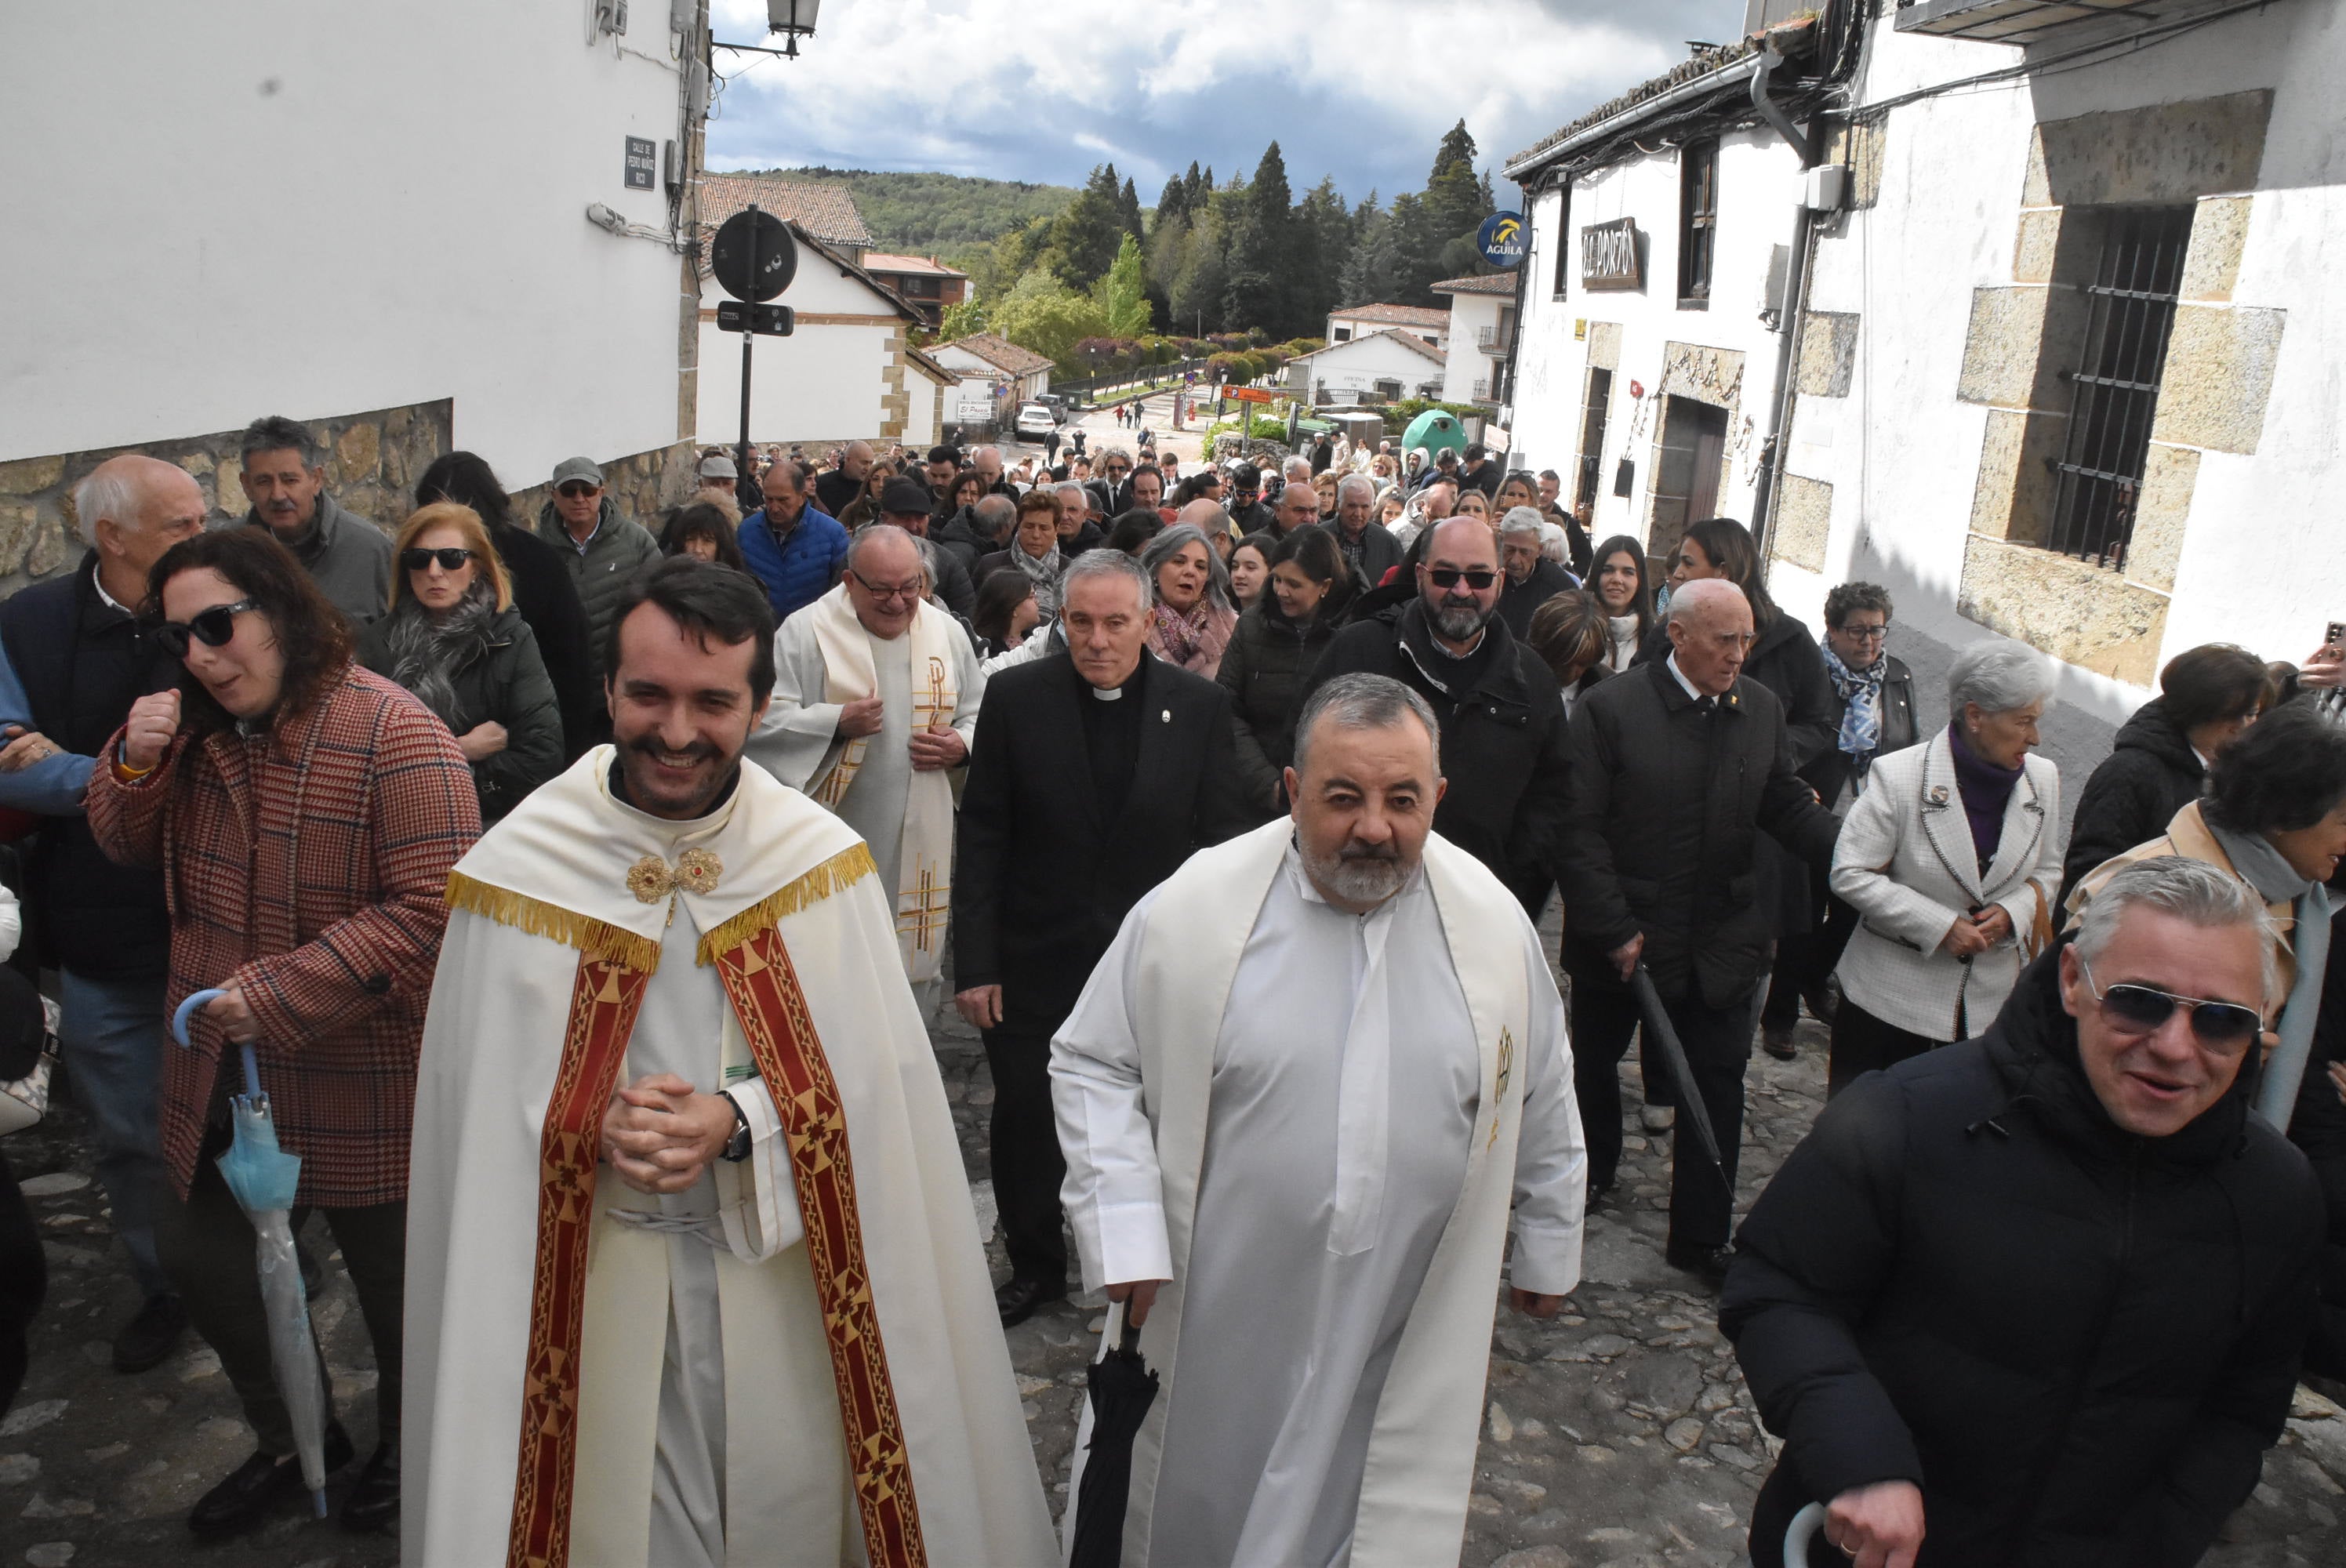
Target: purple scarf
1987, 790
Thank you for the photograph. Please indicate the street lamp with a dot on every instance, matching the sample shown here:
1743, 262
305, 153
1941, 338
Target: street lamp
792, 18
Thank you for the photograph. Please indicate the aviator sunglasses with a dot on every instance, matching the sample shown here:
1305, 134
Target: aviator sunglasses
211, 627
1477, 578
451, 559
2142, 1010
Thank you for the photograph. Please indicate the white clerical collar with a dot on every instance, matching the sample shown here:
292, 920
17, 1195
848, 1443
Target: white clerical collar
1679, 676
1105, 693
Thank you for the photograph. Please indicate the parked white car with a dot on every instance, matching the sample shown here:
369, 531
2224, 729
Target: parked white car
1035, 420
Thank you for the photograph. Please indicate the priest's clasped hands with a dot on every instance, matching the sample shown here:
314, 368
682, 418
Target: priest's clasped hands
940, 746
659, 1133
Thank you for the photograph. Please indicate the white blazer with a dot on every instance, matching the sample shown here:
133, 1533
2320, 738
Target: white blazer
1906, 861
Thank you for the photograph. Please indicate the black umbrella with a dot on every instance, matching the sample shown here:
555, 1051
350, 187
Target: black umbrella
1122, 1389
1659, 1032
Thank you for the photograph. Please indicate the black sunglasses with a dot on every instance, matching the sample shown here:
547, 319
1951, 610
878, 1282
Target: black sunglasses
1477, 578
211, 627
451, 559
577, 488
2224, 1026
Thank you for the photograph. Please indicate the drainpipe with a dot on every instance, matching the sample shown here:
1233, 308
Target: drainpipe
1794, 307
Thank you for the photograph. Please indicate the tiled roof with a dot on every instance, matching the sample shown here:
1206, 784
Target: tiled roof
1000, 352
825, 211
1796, 38
1483, 283
931, 369
1394, 315
1410, 339
882, 261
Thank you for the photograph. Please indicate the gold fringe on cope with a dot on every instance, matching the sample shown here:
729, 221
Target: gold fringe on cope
594, 938
843, 869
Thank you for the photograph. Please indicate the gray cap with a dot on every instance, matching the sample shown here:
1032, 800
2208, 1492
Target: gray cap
575, 468
719, 467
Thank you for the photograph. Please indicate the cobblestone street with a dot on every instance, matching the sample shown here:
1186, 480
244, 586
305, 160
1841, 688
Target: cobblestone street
1617, 1436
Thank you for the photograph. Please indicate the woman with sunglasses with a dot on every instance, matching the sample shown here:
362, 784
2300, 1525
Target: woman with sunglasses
1950, 858
305, 813
454, 638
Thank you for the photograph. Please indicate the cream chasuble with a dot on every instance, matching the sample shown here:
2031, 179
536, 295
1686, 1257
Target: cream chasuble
824, 659
1314, 1127
793, 1362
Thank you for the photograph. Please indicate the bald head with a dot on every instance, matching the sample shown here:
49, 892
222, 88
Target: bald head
1711, 633
1203, 514
1463, 542
856, 461
885, 577
133, 508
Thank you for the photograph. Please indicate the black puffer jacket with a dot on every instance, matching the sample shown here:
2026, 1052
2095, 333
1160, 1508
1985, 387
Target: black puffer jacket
1263, 669
1501, 733
2079, 1342
961, 538
2150, 774
2318, 1126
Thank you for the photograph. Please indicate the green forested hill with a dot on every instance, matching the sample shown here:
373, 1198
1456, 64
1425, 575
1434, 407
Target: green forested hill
925, 213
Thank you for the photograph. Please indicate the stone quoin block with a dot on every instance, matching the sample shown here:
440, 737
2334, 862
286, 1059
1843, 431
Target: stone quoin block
2219, 376
2004, 346
2013, 496
2160, 153
1605, 345
2161, 507
1803, 521
2219, 233
1827, 352
2038, 244
2079, 614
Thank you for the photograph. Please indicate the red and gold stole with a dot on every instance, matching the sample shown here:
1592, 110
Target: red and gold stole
755, 969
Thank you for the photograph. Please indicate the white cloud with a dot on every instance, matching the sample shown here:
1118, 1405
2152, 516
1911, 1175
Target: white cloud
1362, 89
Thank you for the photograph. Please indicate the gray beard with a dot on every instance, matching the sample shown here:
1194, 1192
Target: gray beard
1460, 623
1361, 880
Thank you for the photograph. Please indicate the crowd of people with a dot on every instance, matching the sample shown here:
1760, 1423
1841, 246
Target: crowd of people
584, 889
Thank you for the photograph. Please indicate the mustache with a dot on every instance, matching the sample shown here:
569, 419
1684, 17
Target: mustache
649, 746
1354, 849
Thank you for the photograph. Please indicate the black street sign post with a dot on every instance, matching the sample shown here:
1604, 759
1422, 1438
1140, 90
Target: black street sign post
753, 260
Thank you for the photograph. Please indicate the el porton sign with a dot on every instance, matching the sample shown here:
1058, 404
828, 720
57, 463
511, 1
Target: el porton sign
1609, 255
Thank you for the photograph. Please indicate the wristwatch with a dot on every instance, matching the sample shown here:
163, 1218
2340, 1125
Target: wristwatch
737, 1147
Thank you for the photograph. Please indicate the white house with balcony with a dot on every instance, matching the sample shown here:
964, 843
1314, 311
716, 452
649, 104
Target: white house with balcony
1481, 326
1424, 322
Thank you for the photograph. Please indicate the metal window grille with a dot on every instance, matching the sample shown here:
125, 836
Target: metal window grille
2113, 390
1698, 219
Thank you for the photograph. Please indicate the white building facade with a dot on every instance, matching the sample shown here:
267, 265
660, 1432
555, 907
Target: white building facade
846, 372
2063, 364
1383, 366
274, 209
1481, 331
1424, 322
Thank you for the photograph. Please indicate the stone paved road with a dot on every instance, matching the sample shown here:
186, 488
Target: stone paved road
1617, 1436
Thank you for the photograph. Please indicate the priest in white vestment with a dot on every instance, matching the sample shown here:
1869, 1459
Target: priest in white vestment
1293, 1143
875, 699
693, 1274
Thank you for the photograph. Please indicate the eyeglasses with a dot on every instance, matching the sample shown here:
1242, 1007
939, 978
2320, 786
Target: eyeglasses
1864, 634
911, 590
211, 627
1477, 578
451, 559
578, 489
2133, 1009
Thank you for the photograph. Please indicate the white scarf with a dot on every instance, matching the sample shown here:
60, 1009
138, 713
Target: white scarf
924, 853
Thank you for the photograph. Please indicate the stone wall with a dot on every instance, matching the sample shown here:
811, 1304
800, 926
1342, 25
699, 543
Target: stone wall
372, 460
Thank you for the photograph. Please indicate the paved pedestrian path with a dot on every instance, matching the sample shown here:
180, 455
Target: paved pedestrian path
1620, 1435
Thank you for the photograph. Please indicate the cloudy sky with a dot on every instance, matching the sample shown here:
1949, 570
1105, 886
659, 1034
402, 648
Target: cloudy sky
1043, 90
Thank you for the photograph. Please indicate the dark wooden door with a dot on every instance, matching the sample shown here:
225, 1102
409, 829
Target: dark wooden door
1685, 473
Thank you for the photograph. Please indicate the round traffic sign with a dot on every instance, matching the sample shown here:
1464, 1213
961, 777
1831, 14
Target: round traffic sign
778, 258
1502, 239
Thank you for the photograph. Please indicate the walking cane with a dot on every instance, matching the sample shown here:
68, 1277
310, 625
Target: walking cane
1804, 1527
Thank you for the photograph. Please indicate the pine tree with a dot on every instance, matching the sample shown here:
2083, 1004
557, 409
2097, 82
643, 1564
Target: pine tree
1086, 234
1263, 249
1122, 293
1173, 207
1128, 210
1324, 239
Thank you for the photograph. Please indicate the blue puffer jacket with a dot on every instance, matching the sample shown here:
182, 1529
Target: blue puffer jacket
800, 568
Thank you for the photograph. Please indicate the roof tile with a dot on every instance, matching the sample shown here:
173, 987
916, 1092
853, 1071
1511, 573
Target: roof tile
827, 213
999, 352
1394, 315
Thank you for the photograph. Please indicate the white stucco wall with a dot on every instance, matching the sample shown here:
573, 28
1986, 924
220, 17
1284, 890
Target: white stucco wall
2260, 564
264, 207
1756, 188
1436, 337
1469, 363
1359, 365
823, 382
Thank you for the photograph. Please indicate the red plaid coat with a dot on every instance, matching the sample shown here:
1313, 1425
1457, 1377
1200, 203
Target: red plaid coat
307, 865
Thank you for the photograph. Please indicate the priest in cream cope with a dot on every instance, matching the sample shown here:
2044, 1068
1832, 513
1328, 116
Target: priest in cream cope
693, 1274
875, 698
1292, 1141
